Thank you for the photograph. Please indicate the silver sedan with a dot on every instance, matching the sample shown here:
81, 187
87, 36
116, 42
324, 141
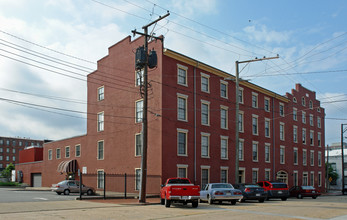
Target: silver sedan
220, 192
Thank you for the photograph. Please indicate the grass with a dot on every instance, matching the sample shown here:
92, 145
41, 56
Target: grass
9, 184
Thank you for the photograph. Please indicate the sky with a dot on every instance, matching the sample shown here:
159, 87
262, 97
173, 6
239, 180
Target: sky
48, 47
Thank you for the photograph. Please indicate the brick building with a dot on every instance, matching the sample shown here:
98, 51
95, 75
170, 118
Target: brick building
10, 147
191, 122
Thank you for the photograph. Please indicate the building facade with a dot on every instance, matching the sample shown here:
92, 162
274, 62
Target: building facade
191, 125
10, 147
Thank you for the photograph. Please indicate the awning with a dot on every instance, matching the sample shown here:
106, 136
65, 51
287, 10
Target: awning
67, 166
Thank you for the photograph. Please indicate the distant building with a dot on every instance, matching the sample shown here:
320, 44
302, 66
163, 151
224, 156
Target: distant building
191, 122
10, 147
335, 159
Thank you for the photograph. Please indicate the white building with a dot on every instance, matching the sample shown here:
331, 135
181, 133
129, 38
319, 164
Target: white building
336, 161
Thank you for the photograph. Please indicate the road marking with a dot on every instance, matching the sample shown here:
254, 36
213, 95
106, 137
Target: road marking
41, 199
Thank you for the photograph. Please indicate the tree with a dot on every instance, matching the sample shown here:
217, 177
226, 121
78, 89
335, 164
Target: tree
7, 172
331, 173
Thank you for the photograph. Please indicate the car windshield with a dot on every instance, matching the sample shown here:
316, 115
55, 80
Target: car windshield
219, 186
307, 187
279, 185
62, 182
178, 181
252, 186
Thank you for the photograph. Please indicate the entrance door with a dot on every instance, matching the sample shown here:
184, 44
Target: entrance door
241, 176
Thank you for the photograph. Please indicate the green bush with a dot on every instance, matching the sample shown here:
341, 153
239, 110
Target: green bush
9, 184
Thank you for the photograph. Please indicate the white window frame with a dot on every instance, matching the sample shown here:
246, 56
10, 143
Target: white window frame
100, 185
101, 121
182, 166
241, 149
241, 122
303, 117
267, 170
319, 158
311, 138
267, 121
311, 120
78, 145
296, 160
255, 170
282, 154
304, 157
295, 114
267, 107
205, 103
281, 111
222, 82
207, 78
295, 134
50, 154
319, 122
255, 146
204, 167
257, 124
137, 179
226, 170
254, 100
205, 135
241, 97
295, 180
224, 150
183, 131
282, 131
139, 76
58, 155
312, 158
139, 111
304, 138
319, 139
67, 152
99, 156
101, 93
267, 146
138, 147
185, 69
225, 119
179, 110
319, 178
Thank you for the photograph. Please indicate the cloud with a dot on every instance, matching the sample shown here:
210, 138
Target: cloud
261, 34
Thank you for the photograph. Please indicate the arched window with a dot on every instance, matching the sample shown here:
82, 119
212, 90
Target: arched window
310, 105
282, 176
303, 101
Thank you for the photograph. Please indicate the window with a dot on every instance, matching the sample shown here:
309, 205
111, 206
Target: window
303, 101
7, 142
304, 178
282, 109
267, 104
241, 149
295, 114
13, 151
312, 178
1, 158
241, 95
267, 153
267, 174
254, 100
7, 158
139, 111
182, 107
319, 158
223, 89
224, 147
319, 137
295, 134
310, 104
205, 110
100, 150
303, 117
137, 178
20, 143
13, 158
139, 77
58, 153
282, 155
182, 170
295, 156
312, 157
267, 127
311, 119
100, 179
241, 121
7, 150
318, 109
282, 131
255, 124
304, 136
304, 157
224, 175
101, 121
50, 154
13, 143
318, 122
255, 151
138, 144
100, 93
205, 142
295, 178
67, 152
182, 142
1, 150
205, 87
311, 138
205, 176
254, 175
78, 150
1, 141
224, 117
182, 75
319, 179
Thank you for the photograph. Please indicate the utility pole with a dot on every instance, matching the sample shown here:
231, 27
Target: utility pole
343, 159
327, 171
237, 109
142, 197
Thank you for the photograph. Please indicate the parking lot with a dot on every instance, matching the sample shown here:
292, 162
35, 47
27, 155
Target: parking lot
324, 207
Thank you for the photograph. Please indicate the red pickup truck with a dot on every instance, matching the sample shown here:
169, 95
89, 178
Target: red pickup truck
179, 190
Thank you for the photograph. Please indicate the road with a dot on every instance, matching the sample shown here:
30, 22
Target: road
324, 207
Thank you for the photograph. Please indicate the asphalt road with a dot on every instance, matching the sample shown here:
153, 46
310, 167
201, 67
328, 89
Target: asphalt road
19, 195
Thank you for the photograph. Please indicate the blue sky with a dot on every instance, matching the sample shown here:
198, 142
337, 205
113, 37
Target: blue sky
309, 36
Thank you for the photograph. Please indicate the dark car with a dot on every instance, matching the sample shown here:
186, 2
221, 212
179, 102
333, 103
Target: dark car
251, 192
304, 191
275, 189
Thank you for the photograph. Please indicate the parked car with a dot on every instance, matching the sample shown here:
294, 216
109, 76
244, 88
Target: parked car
275, 189
304, 191
251, 191
179, 190
71, 186
220, 192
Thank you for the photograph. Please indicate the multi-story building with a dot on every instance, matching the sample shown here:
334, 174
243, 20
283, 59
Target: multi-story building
10, 147
191, 125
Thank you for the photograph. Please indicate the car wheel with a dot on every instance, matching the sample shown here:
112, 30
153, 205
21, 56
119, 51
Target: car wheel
261, 200
210, 201
162, 201
195, 204
233, 202
284, 199
299, 196
89, 192
59, 193
167, 202
314, 197
66, 192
